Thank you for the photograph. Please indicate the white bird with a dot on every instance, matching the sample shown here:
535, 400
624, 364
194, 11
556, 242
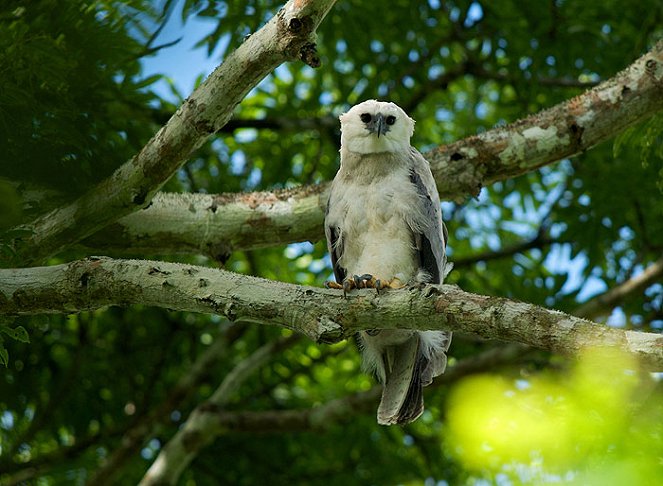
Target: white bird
384, 230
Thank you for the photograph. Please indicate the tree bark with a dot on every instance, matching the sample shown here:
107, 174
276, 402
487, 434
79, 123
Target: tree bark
321, 314
288, 36
217, 225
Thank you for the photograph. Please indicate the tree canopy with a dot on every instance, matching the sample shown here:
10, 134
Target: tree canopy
551, 194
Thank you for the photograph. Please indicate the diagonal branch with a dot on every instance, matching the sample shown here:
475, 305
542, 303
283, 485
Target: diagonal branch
135, 437
460, 169
194, 434
321, 314
562, 131
604, 303
288, 36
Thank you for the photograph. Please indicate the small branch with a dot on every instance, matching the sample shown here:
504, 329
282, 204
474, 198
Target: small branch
343, 410
137, 434
478, 71
195, 434
539, 241
210, 419
604, 303
321, 314
289, 35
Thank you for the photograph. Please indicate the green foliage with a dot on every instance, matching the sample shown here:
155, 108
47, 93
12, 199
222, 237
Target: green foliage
74, 105
598, 423
17, 333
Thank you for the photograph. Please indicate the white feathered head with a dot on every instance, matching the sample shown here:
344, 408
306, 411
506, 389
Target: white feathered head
376, 126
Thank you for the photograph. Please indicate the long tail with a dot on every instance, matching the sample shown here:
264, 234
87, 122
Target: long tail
404, 363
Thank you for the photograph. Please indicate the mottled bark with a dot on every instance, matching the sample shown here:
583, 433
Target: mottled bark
561, 131
322, 314
215, 225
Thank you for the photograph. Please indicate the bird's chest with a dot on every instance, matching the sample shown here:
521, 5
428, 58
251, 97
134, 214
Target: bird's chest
375, 223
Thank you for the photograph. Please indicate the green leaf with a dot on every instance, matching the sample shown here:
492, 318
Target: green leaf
18, 333
4, 355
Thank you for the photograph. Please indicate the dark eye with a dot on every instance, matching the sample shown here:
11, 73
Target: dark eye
391, 120
365, 117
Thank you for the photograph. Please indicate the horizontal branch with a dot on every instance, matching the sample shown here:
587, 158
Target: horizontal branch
460, 169
289, 35
322, 314
210, 419
215, 225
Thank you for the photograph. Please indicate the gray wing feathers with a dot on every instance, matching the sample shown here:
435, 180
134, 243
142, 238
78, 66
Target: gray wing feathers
431, 242
334, 246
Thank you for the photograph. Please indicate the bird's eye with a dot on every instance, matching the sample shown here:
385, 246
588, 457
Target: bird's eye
391, 120
365, 117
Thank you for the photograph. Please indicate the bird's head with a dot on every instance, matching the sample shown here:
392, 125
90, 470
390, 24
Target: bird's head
376, 126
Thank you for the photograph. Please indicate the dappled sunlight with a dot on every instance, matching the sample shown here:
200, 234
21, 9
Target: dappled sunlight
592, 424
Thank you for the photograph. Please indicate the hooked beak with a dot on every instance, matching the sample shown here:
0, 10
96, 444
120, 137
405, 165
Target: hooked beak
380, 124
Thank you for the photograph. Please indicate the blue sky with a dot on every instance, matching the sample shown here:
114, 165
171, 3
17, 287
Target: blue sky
182, 62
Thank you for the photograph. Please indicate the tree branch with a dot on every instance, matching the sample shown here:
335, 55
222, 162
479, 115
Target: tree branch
322, 314
194, 435
133, 439
216, 225
604, 303
289, 35
210, 419
343, 410
561, 131
255, 220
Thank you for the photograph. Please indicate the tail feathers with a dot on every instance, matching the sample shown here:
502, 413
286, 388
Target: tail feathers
402, 400
409, 367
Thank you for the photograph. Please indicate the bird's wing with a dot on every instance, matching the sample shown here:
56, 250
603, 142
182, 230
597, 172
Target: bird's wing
430, 238
334, 246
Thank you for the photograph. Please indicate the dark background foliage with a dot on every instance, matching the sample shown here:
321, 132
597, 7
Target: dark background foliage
74, 105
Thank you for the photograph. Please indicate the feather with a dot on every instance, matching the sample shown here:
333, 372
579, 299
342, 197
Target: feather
384, 218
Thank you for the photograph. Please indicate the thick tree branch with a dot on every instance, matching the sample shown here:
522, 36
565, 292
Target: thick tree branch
215, 225
460, 169
289, 35
561, 131
321, 314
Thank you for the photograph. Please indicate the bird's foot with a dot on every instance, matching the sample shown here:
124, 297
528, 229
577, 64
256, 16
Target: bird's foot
365, 281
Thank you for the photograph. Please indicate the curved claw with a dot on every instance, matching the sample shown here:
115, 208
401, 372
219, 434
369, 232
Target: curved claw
348, 284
